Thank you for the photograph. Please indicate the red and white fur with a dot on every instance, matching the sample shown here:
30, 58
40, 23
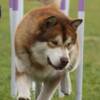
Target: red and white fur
46, 47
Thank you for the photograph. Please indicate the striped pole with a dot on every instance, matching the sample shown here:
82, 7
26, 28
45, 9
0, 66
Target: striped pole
16, 13
81, 14
66, 82
65, 4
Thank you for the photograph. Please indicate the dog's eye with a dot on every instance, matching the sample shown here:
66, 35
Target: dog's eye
68, 45
53, 43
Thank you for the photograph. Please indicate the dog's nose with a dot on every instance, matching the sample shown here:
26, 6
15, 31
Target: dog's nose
64, 61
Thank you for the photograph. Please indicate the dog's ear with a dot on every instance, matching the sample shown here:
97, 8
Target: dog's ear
50, 22
75, 23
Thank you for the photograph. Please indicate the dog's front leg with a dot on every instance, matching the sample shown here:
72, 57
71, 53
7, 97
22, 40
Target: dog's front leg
66, 87
23, 87
48, 89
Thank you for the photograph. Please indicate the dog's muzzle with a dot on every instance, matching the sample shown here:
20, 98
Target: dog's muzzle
61, 66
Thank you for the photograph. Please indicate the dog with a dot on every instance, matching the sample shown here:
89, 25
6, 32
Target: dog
46, 47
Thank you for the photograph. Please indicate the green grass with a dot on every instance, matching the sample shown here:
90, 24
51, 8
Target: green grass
91, 81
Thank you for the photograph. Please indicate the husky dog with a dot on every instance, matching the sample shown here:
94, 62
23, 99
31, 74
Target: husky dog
46, 46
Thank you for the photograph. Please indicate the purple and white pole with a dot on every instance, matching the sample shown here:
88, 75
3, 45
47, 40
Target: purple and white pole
16, 13
65, 8
66, 82
81, 15
65, 5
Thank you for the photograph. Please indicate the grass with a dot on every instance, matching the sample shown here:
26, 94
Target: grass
91, 80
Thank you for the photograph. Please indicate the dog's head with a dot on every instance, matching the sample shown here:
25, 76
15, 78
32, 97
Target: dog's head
57, 35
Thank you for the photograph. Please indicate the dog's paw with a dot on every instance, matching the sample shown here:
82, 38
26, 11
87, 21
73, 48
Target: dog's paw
67, 94
66, 91
21, 98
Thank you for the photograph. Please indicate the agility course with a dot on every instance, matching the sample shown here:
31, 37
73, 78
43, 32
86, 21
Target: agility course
88, 78
16, 13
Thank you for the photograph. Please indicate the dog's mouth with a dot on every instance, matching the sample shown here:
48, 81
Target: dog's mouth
59, 67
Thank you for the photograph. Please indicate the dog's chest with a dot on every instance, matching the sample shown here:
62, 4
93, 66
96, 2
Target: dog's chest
43, 74
23, 65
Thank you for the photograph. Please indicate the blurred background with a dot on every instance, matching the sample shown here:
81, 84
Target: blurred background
91, 80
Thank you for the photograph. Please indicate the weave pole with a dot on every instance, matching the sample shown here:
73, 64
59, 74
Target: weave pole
16, 13
65, 8
81, 15
65, 5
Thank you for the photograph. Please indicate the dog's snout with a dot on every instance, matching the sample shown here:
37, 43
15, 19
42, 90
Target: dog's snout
64, 61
